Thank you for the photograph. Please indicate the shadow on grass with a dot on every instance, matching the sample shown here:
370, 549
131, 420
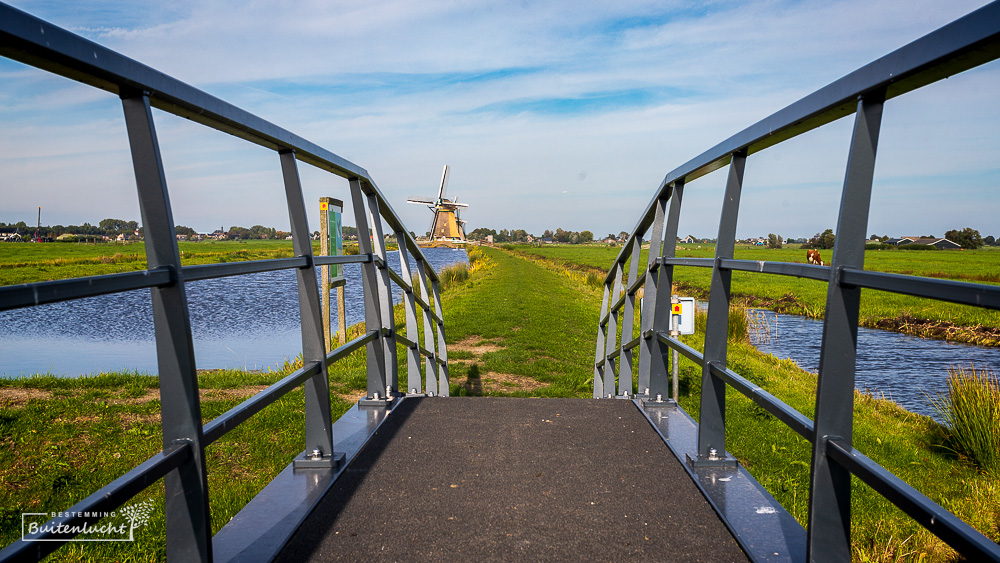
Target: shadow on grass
473, 386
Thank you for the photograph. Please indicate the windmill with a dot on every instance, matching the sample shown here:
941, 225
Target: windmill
447, 225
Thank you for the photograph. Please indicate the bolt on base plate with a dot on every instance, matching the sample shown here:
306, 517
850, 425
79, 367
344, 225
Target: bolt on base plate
308, 461
661, 402
702, 461
376, 401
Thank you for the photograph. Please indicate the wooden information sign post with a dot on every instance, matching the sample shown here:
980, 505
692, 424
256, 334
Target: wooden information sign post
332, 244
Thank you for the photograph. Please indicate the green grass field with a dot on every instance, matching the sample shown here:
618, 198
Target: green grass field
29, 263
66, 438
515, 327
922, 317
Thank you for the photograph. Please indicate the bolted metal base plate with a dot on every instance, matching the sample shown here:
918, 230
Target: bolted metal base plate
380, 402
704, 461
652, 402
305, 461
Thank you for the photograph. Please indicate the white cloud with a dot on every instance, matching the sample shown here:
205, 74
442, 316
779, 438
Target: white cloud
393, 87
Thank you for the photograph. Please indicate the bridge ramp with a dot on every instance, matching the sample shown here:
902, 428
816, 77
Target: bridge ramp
526, 479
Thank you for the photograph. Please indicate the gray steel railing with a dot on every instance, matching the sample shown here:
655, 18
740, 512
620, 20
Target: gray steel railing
181, 462
968, 42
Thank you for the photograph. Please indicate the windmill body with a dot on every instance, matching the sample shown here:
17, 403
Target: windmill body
446, 226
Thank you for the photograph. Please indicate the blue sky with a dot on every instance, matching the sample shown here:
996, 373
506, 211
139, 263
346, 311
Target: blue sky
550, 114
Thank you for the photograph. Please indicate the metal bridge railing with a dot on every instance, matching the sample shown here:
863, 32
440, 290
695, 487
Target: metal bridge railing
181, 462
968, 42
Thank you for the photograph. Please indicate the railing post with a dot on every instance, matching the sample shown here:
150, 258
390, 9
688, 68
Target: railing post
444, 378
829, 532
319, 430
712, 421
373, 317
628, 322
649, 304
658, 382
600, 356
410, 307
384, 297
430, 364
612, 334
188, 527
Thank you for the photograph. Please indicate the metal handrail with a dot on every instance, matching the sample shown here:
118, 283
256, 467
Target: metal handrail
939, 521
88, 510
978, 295
215, 271
37, 43
232, 418
810, 271
792, 418
961, 45
41, 293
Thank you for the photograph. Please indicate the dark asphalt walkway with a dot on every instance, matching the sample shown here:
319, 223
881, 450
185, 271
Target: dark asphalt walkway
483, 479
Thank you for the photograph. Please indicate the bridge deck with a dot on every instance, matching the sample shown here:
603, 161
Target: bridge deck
535, 479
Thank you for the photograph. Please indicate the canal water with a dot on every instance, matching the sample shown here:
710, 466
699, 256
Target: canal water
906, 369
249, 322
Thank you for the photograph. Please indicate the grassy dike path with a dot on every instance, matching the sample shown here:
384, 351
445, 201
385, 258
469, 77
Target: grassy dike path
519, 326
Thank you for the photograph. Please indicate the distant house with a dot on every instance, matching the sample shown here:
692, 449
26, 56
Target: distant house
547, 240
689, 239
939, 243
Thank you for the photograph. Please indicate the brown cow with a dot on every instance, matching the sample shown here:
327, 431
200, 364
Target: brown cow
812, 256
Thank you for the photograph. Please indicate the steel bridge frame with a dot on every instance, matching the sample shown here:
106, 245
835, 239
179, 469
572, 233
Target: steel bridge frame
964, 44
181, 462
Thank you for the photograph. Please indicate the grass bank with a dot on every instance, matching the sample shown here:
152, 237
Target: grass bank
900, 313
909, 445
66, 438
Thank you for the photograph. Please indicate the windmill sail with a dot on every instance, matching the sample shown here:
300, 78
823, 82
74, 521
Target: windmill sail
444, 183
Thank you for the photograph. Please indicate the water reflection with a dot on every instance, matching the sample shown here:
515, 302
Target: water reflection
245, 321
903, 368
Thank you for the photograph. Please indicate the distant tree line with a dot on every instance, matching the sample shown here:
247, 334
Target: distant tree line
571, 237
255, 232
966, 238
109, 227
503, 235
826, 239
521, 235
